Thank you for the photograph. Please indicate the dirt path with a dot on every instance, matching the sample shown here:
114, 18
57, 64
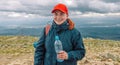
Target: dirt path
26, 59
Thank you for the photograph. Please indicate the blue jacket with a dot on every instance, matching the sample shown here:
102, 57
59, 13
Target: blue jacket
72, 43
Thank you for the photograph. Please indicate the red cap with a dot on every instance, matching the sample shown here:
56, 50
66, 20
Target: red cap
61, 7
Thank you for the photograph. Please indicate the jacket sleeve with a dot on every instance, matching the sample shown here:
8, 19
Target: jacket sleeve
78, 51
40, 50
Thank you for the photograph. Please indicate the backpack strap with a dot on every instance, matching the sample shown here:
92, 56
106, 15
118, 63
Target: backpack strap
47, 28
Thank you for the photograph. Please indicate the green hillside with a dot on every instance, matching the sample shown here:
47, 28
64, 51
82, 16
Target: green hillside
98, 52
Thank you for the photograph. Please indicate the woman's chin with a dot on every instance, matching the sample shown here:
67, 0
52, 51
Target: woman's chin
59, 22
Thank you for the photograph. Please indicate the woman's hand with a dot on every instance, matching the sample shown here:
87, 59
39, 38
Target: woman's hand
62, 55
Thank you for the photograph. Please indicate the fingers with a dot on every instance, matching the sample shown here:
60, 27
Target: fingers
62, 55
61, 52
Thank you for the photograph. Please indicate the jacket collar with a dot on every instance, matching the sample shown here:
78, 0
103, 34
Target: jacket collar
68, 24
63, 26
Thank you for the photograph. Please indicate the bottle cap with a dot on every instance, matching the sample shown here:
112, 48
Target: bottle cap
56, 37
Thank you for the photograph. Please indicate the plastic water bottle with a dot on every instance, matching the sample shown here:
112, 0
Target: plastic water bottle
58, 47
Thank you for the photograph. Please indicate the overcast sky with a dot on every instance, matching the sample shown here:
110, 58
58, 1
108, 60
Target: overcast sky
10, 9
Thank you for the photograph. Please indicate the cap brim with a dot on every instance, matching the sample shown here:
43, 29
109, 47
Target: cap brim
57, 9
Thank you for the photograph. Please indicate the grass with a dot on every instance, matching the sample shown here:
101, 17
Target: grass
98, 45
96, 49
16, 44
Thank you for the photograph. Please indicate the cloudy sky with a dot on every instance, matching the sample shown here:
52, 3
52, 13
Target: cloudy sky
27, 9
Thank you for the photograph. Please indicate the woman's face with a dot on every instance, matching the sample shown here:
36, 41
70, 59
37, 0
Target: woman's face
59, 17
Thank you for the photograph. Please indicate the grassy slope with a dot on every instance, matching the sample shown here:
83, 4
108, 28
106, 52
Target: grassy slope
99, 52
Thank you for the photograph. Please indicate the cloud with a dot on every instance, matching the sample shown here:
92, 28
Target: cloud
15, 15
97, 6
11, 5
42, 8
78, 14
111, 1
104, 7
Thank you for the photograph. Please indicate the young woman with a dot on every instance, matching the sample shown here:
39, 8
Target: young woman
73, 47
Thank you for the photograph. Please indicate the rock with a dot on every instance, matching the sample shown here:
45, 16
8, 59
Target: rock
86, 61
108, 63
110, 60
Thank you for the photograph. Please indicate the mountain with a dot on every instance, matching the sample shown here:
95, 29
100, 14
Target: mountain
103, 28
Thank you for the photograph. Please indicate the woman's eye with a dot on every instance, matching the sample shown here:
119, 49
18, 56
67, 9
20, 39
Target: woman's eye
62, 14
55, 14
